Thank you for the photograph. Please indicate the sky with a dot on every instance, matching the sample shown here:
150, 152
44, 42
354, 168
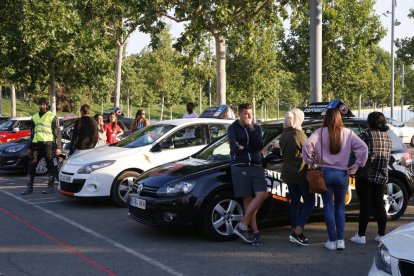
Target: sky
139, 40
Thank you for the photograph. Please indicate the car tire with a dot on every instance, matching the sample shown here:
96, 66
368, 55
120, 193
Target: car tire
412, 141
122, 186
396, 198
221, 214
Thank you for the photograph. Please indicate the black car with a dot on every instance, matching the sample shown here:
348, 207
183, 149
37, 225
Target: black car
13, 155
198, 190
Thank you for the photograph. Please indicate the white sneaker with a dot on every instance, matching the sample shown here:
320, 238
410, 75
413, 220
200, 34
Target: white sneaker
378, 238
340, 244
358, 239
330, 245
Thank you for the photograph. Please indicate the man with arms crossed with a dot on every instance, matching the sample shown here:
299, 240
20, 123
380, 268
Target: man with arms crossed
247, 172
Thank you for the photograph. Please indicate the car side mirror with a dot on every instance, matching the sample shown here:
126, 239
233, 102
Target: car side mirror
273, 157
165, 144
16, 129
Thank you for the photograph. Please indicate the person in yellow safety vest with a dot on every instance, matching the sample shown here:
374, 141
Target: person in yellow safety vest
45, 138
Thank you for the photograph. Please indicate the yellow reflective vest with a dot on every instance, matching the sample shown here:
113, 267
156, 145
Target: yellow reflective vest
43, 127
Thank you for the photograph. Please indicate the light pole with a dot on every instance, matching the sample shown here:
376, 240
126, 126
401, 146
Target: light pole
393, 23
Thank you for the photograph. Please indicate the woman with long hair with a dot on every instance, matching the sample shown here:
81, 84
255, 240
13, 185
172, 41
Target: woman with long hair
370, 186
294, 174
139, 121
330, 147
112, 129
101, 132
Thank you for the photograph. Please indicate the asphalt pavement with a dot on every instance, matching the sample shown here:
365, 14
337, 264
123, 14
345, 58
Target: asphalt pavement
55, 235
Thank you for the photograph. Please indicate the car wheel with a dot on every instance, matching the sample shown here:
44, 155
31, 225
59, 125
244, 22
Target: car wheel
221, 215
396, 198
412, 141
122, 187
41, 168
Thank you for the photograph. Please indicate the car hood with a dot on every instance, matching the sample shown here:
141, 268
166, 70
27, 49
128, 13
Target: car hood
98, 154
14, 143
174, 171
400, 242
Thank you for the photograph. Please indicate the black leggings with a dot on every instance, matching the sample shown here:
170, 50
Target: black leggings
40, 150
371, 197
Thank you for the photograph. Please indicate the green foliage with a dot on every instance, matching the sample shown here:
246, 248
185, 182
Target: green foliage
350, 31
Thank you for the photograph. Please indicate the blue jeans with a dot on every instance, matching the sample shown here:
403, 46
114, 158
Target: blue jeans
337, 182
299, 213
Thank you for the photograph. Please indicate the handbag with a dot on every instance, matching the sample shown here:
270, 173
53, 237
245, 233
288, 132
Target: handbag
315, 177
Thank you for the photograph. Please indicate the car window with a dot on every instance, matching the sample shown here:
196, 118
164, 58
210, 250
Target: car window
217, 151
145, 136
215, 131
7, 126
189, 136
24, 125
395, 123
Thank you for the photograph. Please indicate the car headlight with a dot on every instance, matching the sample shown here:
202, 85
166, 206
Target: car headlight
180, 187
383, 258
14, 149
89, 168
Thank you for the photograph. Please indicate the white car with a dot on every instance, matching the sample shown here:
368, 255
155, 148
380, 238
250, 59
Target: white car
405, 133
395, 254
109, 171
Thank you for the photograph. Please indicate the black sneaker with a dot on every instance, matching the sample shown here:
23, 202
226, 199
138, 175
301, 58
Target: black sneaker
26, 192
49, 190
243, 234
304, 238
299, 239
257, 239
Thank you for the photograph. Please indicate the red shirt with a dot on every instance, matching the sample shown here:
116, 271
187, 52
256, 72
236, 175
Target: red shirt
111, 134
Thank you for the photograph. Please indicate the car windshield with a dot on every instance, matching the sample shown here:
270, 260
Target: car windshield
145, 136
395, 123
7, 126
217, 151
220, 150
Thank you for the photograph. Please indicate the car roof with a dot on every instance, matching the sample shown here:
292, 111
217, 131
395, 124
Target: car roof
188, 121
25, 118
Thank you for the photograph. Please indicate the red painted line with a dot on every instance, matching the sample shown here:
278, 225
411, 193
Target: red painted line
61, 244
66, 193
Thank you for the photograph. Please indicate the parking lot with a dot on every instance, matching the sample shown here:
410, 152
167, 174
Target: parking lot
52, 234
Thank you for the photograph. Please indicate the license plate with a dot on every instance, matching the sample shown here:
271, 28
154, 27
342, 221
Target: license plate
139, 203
65, 177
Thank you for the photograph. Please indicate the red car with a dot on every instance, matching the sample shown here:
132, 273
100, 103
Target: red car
14, 128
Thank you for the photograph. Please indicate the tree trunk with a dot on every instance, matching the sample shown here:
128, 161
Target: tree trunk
162, 107
170, 113
128, 111
13, 101
118, 73
52, 88
200, 93
220, 68
1, 100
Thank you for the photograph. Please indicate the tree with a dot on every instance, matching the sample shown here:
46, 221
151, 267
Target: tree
405, 46
350, 30
214, 17
51, 43
163, 73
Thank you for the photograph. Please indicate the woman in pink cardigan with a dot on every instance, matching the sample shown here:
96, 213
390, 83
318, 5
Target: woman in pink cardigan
330, 147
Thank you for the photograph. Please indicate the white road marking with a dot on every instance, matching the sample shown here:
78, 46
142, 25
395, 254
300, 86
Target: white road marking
43, 202
141, 256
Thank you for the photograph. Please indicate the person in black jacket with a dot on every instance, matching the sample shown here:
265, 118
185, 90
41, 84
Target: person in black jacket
247, 172
85, 131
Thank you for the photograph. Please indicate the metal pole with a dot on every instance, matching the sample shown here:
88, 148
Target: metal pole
402, 90
392, 58
316, 50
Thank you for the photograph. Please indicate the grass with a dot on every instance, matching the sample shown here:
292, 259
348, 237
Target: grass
28, 108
